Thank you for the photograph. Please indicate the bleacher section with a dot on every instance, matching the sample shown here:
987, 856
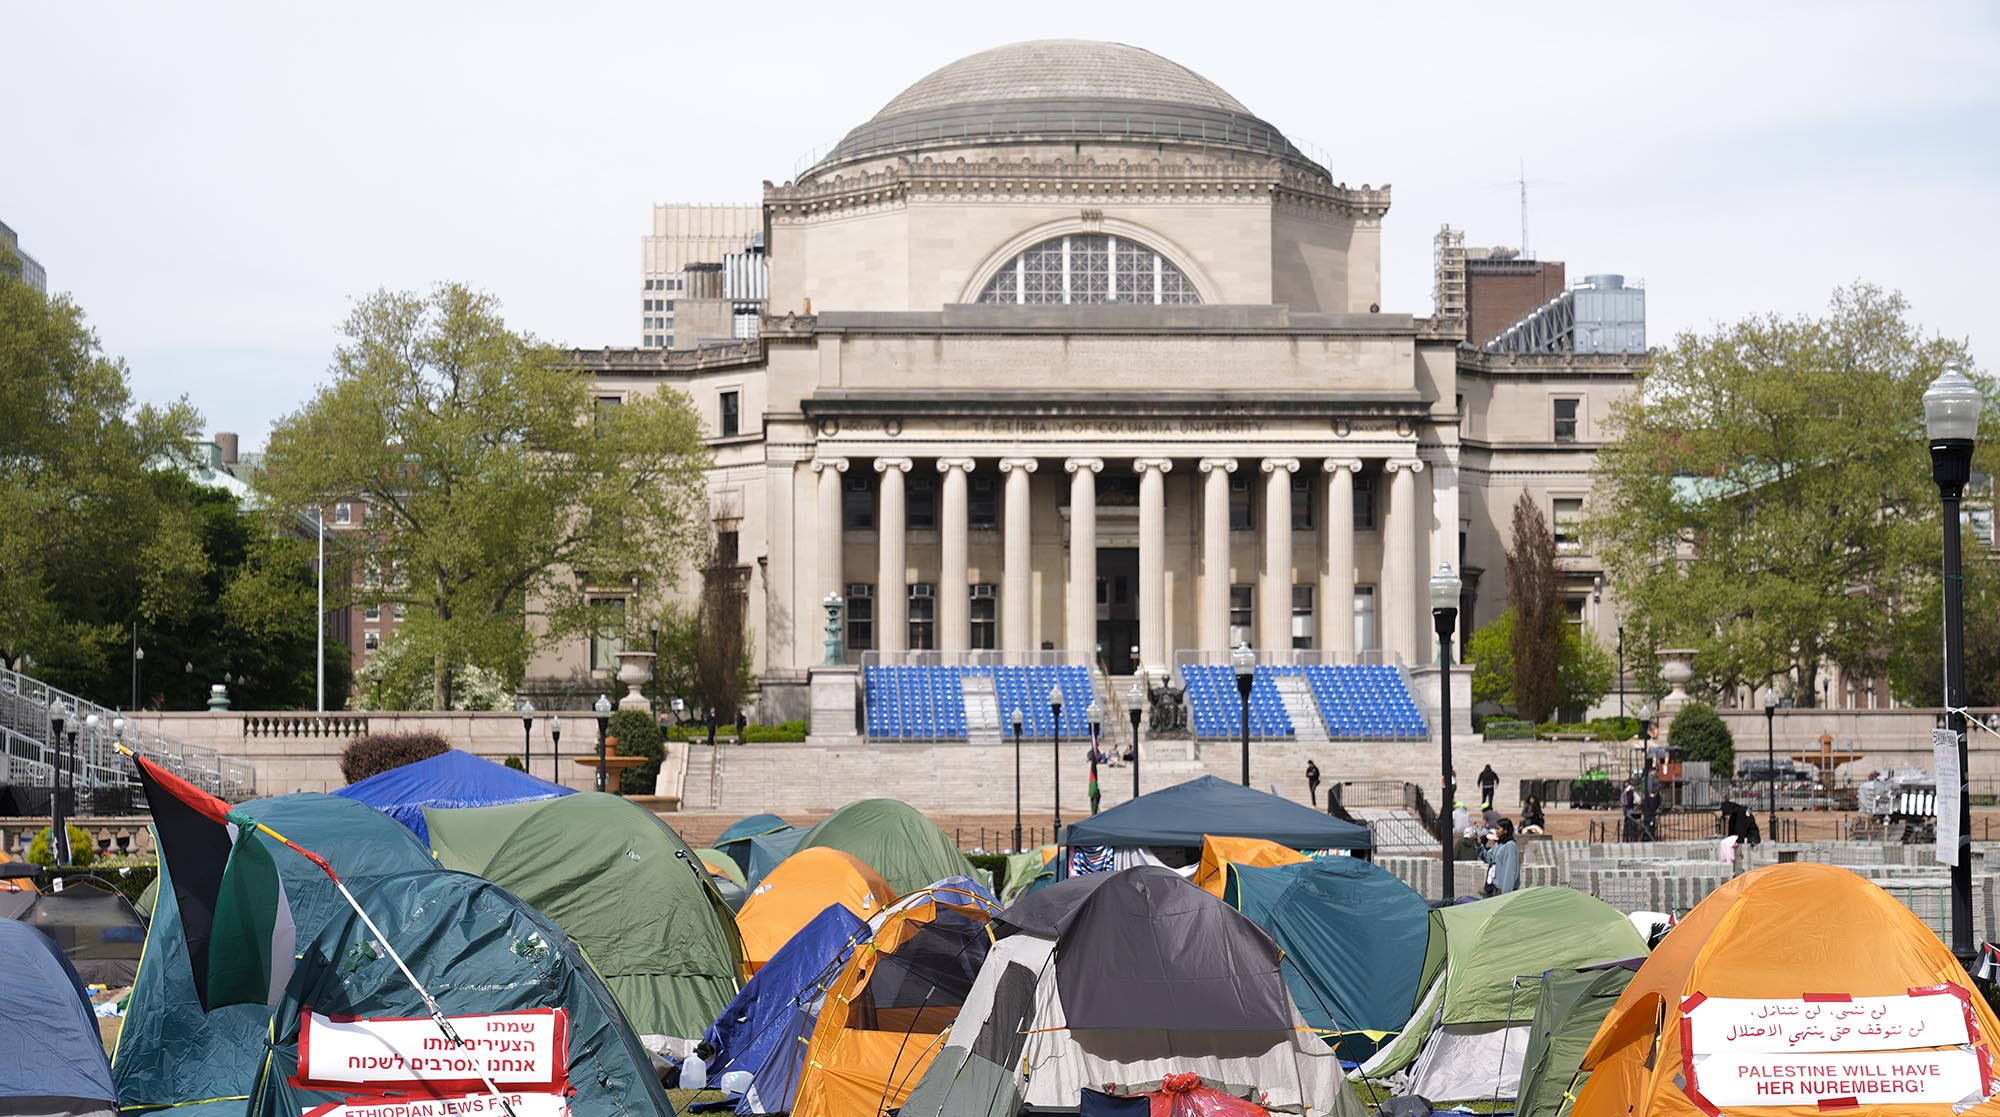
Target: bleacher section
1364, 700
1216, 709
920, 702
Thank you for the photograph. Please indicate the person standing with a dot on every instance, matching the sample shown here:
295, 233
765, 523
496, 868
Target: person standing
1312, 782
742, 724
1489, 785
1504, 855
711, 726
1628, 809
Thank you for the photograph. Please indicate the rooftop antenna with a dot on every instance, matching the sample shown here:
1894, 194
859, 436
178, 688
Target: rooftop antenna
1522, 180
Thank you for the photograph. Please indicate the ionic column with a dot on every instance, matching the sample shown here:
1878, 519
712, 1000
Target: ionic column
1336, 574
892, 594
1401, 581
1274, 614
832, 525
954, 587
1017, 616
1082, 612
1153, 562
1213, 623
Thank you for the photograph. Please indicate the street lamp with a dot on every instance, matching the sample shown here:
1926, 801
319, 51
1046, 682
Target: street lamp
527, 709
1017, 779
1135, 701
603, 708
555, 747
1621, 676
1445, 589
1245, 662
1951, 418
1055, 749
58, 824
1771, 758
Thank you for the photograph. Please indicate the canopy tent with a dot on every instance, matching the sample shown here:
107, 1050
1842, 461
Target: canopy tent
1795, 933
894, 839
1569, 1006
770, 1010
1182, 815
479, 950
1218, 853
1144, 976
735, 839
1354, 939
1466, 1038
802, 886
169, 1051
447, 781
623, 885
55, 1064
98, 930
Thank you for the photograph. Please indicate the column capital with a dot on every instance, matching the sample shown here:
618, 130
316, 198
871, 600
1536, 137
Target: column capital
821, 465
1095, 465
1414, 465
884, 465
946, 465
1335, 465
1142, 465
1025, 465
1210, 465
1273, 465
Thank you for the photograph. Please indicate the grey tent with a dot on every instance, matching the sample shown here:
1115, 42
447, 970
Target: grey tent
98, 930
1182, 814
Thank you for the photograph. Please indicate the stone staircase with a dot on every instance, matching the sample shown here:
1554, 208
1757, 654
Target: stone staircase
1307, 728
982, 710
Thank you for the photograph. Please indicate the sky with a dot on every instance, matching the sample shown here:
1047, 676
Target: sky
216, 183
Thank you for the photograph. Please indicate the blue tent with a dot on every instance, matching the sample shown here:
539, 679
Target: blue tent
55, 1061
448, 780
766, 850
1354, 939
761, 1018
1180, 815
735, 841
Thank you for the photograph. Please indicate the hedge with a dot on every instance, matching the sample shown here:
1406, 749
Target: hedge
785, 732
82, 846
638, 735
378, 752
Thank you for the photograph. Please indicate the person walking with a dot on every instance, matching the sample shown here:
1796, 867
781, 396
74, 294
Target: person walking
1504, 856
1489, 785
711, 726
1312, 782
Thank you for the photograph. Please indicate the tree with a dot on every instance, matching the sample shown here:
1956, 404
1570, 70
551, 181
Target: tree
638, 735
721, 641
401, 673
1534, 587
1916, 661
1700, 730
1583, 674
1767, 498
493, 480
379, 752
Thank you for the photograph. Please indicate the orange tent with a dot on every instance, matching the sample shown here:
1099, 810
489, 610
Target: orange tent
803, 885
1218, 853
1769, 989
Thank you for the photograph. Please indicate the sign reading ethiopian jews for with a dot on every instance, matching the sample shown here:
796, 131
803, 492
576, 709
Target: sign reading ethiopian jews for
1832, 1048
459, 1105
526, 1050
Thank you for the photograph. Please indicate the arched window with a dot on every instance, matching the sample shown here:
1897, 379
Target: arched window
1089, 268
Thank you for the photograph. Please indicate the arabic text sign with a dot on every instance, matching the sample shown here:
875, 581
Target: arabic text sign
514, 1049
1903, 1077
458, 1105
1737, 1025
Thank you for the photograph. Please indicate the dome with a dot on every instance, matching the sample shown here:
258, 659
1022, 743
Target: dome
1063, 90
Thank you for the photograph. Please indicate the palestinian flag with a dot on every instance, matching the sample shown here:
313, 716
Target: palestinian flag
234, 914
1095, 747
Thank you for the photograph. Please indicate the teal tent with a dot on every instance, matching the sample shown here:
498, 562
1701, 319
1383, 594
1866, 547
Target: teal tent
735, 840
479, 950
169, 1051
1354, 939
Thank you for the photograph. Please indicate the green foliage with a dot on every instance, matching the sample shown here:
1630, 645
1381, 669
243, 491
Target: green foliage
401, 675
1698, 729
379, 752
1598, 729
1767, 498
495, 478
1508, 729
1916, 662
783, 732
638, 735
1584, 674
82, 847
514, 762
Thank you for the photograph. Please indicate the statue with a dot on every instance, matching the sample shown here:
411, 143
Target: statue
1169, 710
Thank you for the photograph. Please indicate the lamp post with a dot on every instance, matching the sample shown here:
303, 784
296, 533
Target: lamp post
1621, 676
1135, 701
603, 708
1771, 758
1951, 419
1017, 779
527, 709
1445, 589
58, 824
1055, 745
653, 677
555, 747
1245, 662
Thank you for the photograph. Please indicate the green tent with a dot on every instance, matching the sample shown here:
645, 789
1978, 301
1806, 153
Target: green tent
1022, 870
893, 838
623, 885
1466, 1038
720, 863
148, 898
478, 950
1570, 1006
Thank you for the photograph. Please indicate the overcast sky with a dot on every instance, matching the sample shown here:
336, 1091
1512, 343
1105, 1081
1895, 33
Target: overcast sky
215, 182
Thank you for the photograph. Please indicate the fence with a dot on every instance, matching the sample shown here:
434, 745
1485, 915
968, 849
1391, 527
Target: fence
89, 752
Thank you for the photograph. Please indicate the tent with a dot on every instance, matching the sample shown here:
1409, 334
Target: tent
766, 1016
802, 886
482, 952
766, 851
1777, 948
735, 839
1145, 976
1354, 939
1182, 815
1466, 1038
169, 1051
1023, 870
1568, 1009
55, 1063
894, 839
448, 780
623, 885
726, 875
99, 931
1218, 853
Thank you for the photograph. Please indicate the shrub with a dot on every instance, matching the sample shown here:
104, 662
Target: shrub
784, 731
514, 762
1699, 730
1509, 729
82, 847
638, 735
379, 752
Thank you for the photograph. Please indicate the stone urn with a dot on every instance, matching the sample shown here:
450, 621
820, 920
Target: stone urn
1677, 668
635, 670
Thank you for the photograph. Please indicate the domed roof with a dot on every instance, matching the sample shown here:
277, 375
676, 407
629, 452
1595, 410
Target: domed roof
1063, 90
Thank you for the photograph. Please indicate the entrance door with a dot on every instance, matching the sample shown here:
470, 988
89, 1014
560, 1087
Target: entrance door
1118, 607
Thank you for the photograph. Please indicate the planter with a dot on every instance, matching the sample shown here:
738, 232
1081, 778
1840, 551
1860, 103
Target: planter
1677, 668
635, 670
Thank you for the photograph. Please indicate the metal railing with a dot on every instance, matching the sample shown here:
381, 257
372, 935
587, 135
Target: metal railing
25, 707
